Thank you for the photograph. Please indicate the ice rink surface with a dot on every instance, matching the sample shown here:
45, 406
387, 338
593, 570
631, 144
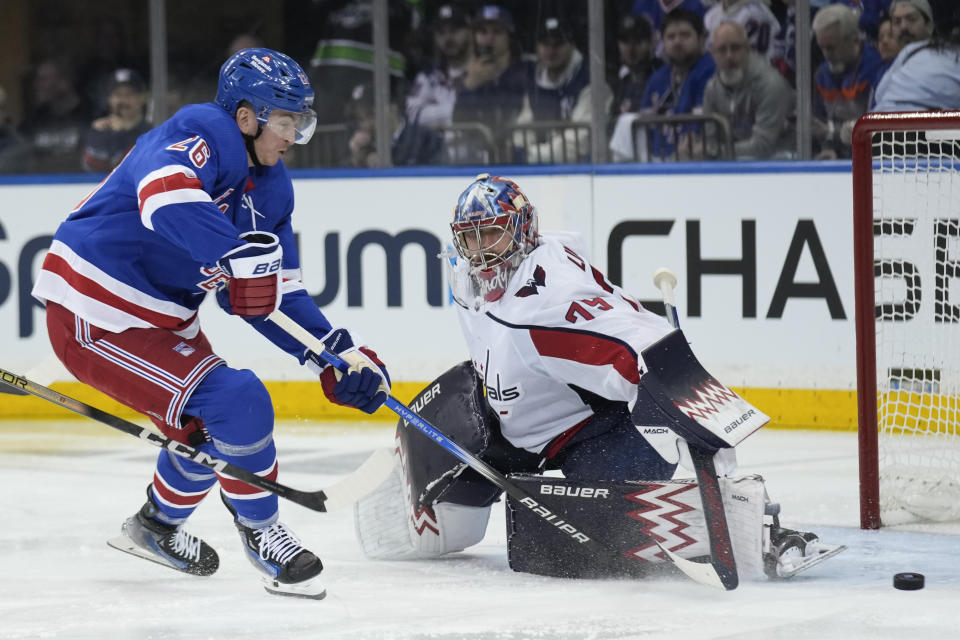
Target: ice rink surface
67, 487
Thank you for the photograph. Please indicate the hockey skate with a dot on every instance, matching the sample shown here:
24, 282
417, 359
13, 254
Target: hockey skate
287, 569
144, 536
791, 552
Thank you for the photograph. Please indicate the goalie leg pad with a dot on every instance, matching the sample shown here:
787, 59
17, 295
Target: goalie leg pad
390, 526
455, 402
629, 516
434, 504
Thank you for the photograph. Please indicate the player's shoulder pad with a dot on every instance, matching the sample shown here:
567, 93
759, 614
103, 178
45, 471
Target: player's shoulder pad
209, 122
559, 253
541, 280
572, 240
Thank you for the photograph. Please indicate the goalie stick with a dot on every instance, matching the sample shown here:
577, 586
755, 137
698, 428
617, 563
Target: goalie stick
359, 483
698, 571
722, 563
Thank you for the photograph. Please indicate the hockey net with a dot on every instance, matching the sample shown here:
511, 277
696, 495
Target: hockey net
906, 173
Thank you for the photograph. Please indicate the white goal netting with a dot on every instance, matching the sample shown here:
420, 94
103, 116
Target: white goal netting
916, 200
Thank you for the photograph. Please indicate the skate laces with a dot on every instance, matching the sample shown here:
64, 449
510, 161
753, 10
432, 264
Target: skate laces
185, 545
277, 544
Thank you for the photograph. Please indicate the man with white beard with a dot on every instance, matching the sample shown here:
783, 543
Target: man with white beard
749, 92
844, 82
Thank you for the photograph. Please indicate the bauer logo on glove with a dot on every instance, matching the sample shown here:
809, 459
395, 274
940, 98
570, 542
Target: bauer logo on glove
253, 269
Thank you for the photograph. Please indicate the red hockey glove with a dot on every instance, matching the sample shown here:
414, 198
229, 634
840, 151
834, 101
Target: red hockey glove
254, 270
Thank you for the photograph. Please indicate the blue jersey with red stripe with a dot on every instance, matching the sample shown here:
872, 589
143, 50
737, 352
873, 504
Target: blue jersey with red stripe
141, 249
845, 96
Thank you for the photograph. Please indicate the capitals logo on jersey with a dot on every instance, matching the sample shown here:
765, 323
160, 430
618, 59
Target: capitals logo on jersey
539, 279
499, 391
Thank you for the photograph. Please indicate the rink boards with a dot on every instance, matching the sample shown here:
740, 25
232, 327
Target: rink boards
763, 253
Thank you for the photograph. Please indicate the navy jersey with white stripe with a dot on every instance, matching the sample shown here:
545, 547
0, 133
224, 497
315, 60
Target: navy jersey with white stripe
559, 329
141, 249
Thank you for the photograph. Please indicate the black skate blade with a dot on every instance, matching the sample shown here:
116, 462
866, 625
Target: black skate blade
310, 589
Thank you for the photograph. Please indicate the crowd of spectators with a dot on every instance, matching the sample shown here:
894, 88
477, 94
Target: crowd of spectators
475, 83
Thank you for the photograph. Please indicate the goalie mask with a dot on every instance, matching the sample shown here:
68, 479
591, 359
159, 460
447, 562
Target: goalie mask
494, 228
269, 80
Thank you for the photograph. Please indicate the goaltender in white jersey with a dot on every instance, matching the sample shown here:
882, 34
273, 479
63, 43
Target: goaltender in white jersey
554, 384
558, 327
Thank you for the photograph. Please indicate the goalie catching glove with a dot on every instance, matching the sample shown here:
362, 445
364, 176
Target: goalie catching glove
366, 384
253, 269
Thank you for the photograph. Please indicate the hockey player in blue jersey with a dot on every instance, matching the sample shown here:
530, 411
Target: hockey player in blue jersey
202, 203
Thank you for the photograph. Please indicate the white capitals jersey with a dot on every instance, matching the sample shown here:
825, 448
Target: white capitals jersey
559, 325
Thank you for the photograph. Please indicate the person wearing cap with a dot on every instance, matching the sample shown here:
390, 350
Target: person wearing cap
925, 75
912, 20
635, 44
492, 90
109, 138
561, 92
431, 100
844, 81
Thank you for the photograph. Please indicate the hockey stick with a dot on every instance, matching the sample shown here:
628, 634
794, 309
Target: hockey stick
700, 572
358, 484
721, 549
44, 372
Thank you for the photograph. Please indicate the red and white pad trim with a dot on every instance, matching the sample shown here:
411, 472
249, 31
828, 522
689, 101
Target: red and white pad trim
174, 498
173, 184
292, 280
180, 389
82, 287
237, 490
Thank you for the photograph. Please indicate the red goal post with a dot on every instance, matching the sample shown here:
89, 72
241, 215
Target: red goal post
906, 190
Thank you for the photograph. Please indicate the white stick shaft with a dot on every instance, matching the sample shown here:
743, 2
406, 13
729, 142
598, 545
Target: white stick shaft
306, 338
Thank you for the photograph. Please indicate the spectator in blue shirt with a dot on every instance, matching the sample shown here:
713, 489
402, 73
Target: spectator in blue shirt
678, 86
844, 82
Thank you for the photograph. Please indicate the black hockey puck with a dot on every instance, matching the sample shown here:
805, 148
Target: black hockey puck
908, 581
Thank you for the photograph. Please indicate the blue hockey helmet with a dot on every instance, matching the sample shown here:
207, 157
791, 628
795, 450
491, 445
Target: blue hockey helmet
494, 228
268, 80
